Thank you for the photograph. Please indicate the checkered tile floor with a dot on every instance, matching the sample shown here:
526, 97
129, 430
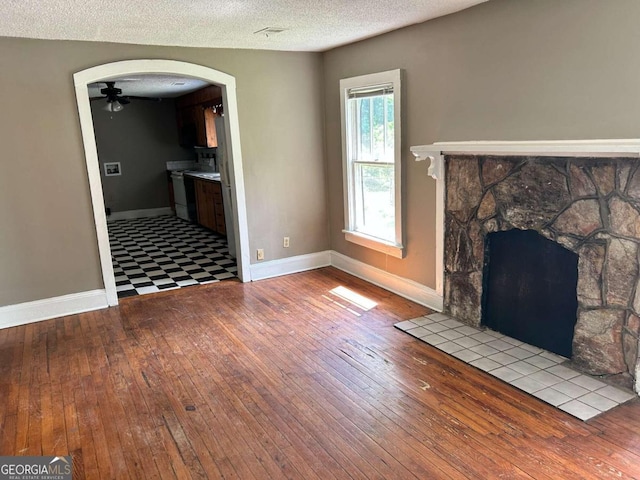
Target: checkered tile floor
543, 374
162, 253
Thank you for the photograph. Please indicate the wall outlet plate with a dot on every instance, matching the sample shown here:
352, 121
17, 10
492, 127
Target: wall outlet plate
260, 254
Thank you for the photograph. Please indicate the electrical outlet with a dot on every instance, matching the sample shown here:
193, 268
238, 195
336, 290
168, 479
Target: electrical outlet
285, 242
260, 254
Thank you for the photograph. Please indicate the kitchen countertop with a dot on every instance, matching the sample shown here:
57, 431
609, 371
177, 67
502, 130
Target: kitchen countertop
203, 175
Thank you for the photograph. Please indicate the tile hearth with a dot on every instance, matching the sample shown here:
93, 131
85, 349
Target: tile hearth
531, 369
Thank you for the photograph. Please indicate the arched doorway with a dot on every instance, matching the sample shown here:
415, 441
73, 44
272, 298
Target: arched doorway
134, 67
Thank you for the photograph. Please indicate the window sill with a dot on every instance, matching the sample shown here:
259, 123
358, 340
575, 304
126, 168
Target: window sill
393, 249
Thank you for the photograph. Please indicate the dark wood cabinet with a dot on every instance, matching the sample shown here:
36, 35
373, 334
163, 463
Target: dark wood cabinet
196, 126
209, 95
209, 205
218, 209
172, 198
195, 117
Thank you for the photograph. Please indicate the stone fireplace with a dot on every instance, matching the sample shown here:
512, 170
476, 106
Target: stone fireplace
588, 205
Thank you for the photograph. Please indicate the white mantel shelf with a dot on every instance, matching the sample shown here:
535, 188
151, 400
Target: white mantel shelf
436, 152
628, 147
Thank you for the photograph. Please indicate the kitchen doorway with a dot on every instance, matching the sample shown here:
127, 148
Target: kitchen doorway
232, 136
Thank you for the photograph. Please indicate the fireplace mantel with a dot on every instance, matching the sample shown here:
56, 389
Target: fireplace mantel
541, 148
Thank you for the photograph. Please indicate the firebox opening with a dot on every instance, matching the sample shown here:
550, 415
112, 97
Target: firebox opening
529, 290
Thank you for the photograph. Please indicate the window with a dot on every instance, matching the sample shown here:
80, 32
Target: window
370, 108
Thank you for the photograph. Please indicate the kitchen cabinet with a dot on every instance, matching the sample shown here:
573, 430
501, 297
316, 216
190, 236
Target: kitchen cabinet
195, 117
209, 95
172, 198
209, 205
196, 126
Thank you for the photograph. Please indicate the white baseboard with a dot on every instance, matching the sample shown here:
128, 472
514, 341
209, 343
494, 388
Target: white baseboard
404, 287
29, 312
285, 266
144, 213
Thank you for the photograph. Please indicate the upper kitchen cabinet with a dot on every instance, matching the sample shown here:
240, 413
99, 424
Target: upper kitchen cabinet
196, 127
195, 114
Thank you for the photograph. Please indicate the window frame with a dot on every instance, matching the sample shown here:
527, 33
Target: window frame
394, 248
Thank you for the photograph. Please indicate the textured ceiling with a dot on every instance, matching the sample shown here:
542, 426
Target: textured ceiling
309, 25
151, 85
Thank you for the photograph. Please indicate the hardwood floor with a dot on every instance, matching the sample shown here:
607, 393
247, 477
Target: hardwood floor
279, 379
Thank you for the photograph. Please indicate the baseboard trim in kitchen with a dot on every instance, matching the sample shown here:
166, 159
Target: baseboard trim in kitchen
144, 213
286, 266
38, 310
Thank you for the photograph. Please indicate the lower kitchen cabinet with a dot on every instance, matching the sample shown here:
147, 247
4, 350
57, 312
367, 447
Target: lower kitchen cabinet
209, 205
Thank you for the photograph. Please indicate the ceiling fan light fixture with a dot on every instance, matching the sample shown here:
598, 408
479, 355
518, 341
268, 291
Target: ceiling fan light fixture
114, 106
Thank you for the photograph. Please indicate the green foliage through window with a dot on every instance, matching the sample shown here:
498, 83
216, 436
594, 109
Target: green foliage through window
371, 142
370, 114
373, 125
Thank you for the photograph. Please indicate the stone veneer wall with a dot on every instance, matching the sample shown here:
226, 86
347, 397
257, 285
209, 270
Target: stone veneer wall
590, 206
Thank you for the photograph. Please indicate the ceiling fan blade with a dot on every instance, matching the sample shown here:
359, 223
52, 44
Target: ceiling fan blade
123, 100
96, 98
150, 99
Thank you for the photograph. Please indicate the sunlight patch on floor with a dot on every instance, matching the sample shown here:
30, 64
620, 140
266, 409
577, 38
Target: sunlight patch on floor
354, 298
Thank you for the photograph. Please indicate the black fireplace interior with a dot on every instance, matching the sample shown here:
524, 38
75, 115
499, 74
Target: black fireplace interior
529, 290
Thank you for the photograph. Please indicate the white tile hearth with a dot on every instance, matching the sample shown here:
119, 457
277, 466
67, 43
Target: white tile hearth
529, 368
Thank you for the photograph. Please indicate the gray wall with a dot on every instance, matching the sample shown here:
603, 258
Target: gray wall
142, 137
48, 243
503, 70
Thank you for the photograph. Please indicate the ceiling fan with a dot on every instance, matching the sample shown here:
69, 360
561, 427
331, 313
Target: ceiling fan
115, 99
